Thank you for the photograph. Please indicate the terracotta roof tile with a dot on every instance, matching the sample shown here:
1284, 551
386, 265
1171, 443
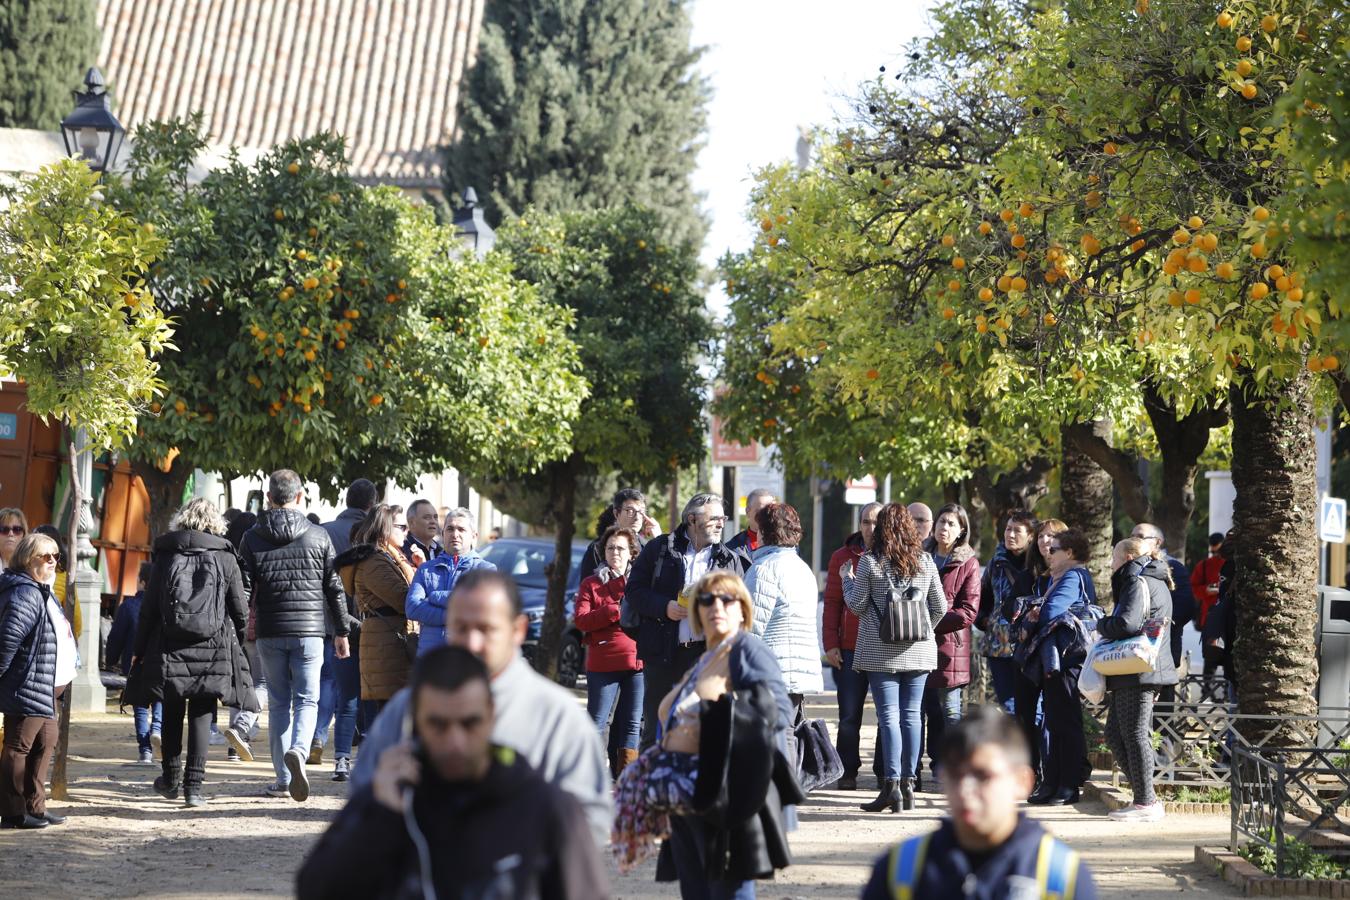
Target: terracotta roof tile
383, 73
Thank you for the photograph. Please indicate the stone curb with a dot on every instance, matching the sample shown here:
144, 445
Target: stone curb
1252, 882
1114, 798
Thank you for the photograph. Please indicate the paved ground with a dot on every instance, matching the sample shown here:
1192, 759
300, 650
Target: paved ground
123, 840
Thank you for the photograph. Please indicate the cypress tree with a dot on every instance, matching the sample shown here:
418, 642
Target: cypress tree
45, 48
583, 104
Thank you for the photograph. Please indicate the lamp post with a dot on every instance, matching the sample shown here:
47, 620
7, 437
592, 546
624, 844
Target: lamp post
471, 226
91, 131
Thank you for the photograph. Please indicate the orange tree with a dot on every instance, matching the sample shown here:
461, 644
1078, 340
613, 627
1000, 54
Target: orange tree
323, 326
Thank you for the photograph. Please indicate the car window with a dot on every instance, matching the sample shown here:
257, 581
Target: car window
523, 562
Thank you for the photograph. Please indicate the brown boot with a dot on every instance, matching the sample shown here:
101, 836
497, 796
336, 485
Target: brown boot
622, 759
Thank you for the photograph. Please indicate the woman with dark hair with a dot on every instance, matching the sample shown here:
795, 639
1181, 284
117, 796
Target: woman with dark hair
1028, 705
13, 527
1051, 649
376, 575
190, 640
896, 570
960, 573
614, 679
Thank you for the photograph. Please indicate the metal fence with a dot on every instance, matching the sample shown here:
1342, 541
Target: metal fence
1286, 794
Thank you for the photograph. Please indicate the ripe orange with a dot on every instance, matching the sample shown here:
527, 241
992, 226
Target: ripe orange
1196, 223
986, 294
1193, 296
1282, 283
1275, 272
1224, 20
293, 168
1243, 44
948, 312
1049, 320
981, 324
1249, 91
1259, 290
376, 400
311, 283
1330, 363
1224, 270
1260, 214
1110, 148
1294, 295
953, 285
773, 240
341, 345
766, 224
1006, 215
958, 263
1019, 283
985, 228
1258, 251
1314, 364
1244, 67
1093, 199
1269, 23
1005, 283
1181, 237
1025, 210
278, 214
1197, 264
1019, 241
948, 241
873, 374
1209, 242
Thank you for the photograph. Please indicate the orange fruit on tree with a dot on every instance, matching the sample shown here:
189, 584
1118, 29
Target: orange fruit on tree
278, 214
1275, 272
1006, 215
1110, 148
1269, 23
1330, 363
1196, 223
986, 294
1197, 264
1258, 251
1049, 320
1243, 44
948, 241
1005, 283
1294, 295
1019, 283
958, 263
1282, 282
1181, 237
1314, 364
953, 285
948, 312
1224, 270
1244, 67
1193, 296
981, 324
1025, 210
1019, 241
1260, 214
1136, 246
376, 400
985, 228
766, 224
873, 374
1249, 91
293, 168
1093, 199
1209, 242
1259, 290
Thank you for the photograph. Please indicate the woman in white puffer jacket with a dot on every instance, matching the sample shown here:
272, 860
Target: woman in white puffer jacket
785, 595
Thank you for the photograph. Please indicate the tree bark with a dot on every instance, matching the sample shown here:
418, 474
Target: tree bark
562, 503
1275, 548
1086, 501
1021, 488
165, 490
977, 511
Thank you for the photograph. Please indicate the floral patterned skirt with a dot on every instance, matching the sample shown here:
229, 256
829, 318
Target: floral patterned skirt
654, 787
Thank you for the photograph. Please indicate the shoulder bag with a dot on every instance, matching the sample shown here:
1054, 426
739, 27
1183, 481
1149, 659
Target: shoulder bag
905, 617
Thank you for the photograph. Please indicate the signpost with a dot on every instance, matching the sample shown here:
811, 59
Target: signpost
1331, 520
860, 491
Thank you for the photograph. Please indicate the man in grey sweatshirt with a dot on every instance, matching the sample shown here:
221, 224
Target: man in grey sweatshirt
534, 716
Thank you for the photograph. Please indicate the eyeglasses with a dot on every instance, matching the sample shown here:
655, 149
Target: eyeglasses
634, 510
48, 558
716, 520
401, 526
11, 529
1055, 548
709, 599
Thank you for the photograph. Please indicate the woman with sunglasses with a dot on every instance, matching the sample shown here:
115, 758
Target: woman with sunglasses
720, 758
1028, 704
1051, 650
376, 574
13, 526
896, 569
28, 694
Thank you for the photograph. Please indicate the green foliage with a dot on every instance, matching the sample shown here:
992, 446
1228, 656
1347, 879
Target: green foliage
583, 106
326, 327
1300, 860
76, 325
1187, 794
45, 47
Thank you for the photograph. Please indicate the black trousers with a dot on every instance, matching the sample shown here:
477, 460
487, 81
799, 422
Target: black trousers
1066, 764
198, 712
1026, 699
660, 676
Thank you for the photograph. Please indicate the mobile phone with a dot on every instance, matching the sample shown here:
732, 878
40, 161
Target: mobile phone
408, 732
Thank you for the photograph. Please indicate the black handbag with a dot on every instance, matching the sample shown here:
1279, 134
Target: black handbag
818, 763
905, 618
135, 692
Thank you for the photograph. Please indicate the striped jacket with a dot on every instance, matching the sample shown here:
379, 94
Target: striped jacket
868, 593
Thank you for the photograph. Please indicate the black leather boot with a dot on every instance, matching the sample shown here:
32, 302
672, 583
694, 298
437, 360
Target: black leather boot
907, 793
192, 782
166, 785
888, 798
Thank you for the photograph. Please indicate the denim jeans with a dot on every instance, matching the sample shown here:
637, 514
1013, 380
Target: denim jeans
898, 697
1003, 673
688, 843
293, 665
941, 708
149, 720
622, 693
851, 693
339, 698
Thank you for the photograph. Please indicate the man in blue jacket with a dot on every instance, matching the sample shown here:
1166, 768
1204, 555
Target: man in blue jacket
121, 645
666, 566
429, 593
985, 848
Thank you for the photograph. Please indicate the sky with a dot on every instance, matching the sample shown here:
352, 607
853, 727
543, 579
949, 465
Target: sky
776, 67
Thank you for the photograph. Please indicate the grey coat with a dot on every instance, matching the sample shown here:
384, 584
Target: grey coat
868, 592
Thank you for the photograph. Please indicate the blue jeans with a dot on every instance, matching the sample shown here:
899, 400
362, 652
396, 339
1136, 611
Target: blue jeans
339, 698
149, 720
898, 697
1003, 672
688, 843
621, 692
851, 693
941, 708
292, 665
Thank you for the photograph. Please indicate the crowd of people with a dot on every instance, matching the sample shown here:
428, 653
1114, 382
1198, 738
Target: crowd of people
388, 629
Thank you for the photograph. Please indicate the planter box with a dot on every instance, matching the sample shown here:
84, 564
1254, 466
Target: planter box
1252, 882
1114, 798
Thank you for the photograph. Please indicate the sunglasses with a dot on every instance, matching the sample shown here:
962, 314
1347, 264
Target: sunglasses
710, 599
11, 529
48, 558
400, 526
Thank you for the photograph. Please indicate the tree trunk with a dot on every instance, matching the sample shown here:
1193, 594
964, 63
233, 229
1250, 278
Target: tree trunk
977, 511
562, 503
1275, 548
1086, 501
1021, 488
165, 490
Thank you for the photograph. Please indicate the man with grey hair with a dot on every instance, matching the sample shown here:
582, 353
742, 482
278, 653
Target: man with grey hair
923, 520
288, 571
667, 565
747, 541
429, 594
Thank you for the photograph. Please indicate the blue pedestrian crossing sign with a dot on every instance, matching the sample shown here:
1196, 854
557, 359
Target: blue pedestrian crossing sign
1331, 520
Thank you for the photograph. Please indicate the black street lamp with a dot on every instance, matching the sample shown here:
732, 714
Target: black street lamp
472, 227
91, 131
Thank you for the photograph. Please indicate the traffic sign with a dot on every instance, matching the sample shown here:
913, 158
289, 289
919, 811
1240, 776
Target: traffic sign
1331, 520
860, 491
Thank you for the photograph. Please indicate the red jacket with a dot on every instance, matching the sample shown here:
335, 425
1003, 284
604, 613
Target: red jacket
608, 649
840, 625
961, 584
1202, 576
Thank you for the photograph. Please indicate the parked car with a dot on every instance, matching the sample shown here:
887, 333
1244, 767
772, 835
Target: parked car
527, 560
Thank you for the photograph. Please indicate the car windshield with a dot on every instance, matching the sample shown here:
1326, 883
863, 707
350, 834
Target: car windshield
525, 561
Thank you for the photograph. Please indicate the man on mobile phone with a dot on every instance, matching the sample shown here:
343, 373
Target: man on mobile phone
496, 827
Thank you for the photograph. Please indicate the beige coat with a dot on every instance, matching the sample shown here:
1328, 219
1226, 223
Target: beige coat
379, 584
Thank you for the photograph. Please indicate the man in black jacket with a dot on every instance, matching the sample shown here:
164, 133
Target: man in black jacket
665, 567
447, 805
629, 509
288, 572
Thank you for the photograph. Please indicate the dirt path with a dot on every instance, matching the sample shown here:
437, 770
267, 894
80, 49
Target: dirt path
123, 840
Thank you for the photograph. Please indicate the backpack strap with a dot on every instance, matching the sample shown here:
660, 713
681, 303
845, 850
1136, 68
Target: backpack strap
1056, 869
905, 864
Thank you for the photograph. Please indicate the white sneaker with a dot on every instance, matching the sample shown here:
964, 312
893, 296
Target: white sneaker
1153, 812
217, 739
276, 789
147, 758
157, 745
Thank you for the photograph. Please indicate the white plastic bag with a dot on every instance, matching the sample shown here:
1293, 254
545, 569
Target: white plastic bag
1091, 683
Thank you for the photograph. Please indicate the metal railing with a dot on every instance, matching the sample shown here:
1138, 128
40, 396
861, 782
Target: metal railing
1286, 794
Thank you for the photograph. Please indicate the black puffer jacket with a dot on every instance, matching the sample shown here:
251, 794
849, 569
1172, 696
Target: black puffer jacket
1141, 593
27, 648
213, 667
289, 573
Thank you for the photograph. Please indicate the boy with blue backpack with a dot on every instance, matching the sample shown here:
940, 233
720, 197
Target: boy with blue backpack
986, 848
